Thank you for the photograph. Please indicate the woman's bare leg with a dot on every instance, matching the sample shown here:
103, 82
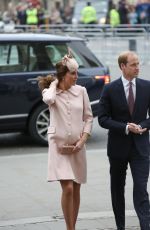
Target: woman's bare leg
76, 201
67, 203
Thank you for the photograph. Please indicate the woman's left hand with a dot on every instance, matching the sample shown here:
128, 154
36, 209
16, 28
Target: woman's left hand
79, 145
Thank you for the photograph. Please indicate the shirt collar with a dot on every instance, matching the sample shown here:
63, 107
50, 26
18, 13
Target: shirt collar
126, 82
73, 90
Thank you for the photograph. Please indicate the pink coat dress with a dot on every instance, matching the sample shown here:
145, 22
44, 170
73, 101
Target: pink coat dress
70, 116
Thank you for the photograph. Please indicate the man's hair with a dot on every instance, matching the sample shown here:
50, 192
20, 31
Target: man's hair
88, 3
123, 57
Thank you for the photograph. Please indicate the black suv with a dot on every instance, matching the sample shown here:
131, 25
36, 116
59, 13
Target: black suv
24, 57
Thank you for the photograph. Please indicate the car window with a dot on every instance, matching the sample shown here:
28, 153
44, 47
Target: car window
9, 59
30, 57
23, 58
27, 56
8, 55
57, 51
83, 55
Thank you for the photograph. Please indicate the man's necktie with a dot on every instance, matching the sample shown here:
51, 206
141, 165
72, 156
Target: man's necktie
131, 98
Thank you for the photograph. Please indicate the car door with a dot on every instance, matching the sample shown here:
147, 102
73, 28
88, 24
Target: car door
18, 92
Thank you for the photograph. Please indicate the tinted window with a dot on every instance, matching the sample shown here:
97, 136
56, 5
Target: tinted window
57, 51
23, 58
83, 55
9, 59
31, 57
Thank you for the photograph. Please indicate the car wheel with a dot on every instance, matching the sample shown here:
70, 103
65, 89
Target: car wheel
38, 124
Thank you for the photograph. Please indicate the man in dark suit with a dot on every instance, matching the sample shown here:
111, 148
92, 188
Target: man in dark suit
124, 110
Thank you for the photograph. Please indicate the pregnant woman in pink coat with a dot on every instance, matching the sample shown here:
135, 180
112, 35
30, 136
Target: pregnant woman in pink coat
70, 125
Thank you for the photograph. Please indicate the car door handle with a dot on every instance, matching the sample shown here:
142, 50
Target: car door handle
32, 81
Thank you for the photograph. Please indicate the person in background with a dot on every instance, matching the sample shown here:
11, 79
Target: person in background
123, 11
132, 15
88, 14
56, 17
142, 9
67, 14
70, 126
31, 15
124, 109
114, 16
110, 5
21, 13
40, 14
148, 14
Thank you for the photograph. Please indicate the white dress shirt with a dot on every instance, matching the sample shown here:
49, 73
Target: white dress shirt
126, 86
126, 90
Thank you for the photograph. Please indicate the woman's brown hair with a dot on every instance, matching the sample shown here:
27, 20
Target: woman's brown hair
45, 81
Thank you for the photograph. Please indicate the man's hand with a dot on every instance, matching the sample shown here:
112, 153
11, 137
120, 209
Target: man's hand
134, 128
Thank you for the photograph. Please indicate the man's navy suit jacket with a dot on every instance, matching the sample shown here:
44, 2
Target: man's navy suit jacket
114, 115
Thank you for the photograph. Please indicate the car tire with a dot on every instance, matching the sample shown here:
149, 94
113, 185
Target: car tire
38, 124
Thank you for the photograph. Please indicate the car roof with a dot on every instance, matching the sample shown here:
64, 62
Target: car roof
36, 37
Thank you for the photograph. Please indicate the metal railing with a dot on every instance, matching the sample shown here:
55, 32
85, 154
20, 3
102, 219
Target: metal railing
106, 42
94, 30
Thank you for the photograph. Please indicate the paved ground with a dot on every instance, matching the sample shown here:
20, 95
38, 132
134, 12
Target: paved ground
97, 223
28, 202
86, 221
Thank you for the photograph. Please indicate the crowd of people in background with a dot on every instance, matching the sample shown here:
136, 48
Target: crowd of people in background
127, 13
121, 13
32, 12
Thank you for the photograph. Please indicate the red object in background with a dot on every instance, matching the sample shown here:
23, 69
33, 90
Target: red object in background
34, 2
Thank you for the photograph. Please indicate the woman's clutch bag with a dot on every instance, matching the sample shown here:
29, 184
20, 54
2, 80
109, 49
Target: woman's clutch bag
67, 149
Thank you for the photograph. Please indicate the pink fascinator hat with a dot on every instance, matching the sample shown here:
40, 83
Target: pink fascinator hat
70, 62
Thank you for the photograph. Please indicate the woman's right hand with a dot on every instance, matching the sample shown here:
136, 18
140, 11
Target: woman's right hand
55, 82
